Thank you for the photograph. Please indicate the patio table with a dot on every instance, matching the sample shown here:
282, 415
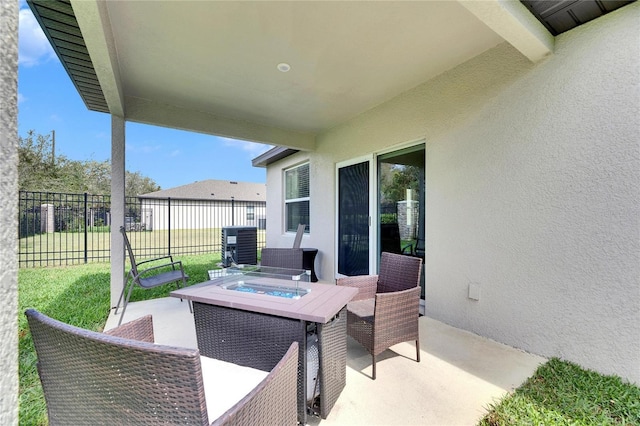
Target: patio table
246, 317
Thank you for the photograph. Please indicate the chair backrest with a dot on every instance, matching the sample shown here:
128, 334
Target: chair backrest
290, 258
398, 272
132, 258
273, 401
95, 378
299, 233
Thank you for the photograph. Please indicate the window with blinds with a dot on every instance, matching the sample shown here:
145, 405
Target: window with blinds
296, 197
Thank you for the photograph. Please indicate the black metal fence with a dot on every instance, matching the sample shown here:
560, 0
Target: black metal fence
65, 229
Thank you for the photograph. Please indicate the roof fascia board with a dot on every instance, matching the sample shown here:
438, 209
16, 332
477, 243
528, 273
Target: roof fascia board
273, 155
95, 25
512, 21
148, 112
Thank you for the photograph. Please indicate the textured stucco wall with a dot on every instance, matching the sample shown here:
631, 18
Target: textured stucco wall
536, 200
8, 225
533, 182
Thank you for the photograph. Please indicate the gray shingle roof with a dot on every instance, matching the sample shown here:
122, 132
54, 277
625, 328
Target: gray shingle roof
214, 190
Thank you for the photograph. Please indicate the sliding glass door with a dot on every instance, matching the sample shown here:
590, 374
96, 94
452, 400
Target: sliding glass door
380, 207
400, 202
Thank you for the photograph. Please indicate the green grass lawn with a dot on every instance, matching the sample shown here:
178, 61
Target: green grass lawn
563, 393
559, 393
68, 248
77, 295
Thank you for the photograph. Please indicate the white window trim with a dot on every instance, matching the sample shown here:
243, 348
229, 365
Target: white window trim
294, 200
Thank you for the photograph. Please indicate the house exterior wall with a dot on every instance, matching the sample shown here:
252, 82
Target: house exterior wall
194, 214
532, 193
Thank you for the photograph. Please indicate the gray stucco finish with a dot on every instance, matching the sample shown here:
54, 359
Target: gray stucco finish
8, 208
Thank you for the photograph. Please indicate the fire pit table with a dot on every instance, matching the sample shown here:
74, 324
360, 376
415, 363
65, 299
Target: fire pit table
249, 315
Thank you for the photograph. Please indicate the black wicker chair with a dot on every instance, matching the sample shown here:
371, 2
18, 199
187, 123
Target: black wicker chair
122, 377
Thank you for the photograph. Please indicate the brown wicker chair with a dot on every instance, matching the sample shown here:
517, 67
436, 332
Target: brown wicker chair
122, 377
385, 311
288, 258
156, 272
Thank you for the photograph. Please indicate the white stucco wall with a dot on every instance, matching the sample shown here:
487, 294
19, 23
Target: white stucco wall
533, 189
8, 212
535, 198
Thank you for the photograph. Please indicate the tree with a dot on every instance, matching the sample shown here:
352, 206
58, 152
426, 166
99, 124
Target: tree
97, 176
401, 178
136, 184
36, 170
39, 170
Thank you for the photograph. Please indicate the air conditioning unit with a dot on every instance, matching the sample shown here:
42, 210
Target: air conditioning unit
239, 245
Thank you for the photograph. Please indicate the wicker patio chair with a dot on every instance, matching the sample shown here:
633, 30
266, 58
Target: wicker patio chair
385, 311
160, 271
289, 258
121, 377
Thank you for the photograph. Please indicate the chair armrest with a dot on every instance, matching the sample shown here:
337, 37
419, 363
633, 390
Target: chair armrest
164, 265
273, 401
169, 256
366, 285
396, 307
140, 329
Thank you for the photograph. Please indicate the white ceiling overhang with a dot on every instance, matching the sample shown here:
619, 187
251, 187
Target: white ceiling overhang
211, 67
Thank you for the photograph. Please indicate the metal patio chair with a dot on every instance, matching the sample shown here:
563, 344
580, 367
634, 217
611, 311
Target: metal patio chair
386, 309
122, 377
156, 272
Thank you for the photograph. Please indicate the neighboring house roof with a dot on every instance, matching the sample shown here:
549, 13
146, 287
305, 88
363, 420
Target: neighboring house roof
214, 190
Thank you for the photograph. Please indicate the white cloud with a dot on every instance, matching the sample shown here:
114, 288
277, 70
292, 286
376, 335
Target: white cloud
144, 149
175, 153
21, 98
33, 46
254, 149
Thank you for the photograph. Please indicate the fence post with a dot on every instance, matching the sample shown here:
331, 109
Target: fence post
85, 228
169, 224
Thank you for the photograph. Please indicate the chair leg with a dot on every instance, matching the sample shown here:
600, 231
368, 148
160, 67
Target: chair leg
126, 302
120, 298
184, 285
124, 287
373, 366
418, 349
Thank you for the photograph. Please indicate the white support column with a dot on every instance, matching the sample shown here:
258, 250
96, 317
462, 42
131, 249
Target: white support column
9, 212
117, 206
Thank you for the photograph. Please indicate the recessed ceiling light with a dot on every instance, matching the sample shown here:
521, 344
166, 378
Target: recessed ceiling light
284, 67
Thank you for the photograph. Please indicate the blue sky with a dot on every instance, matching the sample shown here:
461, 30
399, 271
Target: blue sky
48, 100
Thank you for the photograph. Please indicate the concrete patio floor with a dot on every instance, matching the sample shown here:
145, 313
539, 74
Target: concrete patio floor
459, 375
